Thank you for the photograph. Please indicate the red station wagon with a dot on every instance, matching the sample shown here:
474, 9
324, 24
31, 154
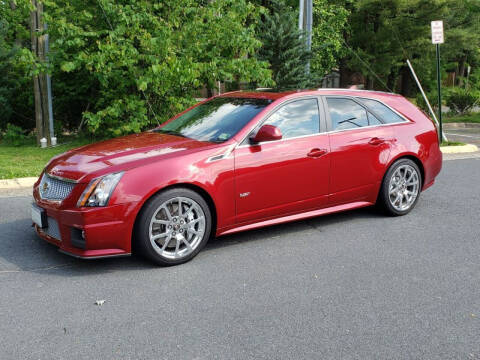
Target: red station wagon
236, 162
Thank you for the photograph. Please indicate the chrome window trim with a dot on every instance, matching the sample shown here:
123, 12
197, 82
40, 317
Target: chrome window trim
321, 115
367, 127
325, 121
323, 133
240, 145
61, 178
357, 99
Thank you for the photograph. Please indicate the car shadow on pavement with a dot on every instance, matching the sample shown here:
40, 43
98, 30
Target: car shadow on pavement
294, 227
23, 251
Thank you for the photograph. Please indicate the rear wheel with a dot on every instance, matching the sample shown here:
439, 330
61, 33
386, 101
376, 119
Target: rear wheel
173, 226
400, 188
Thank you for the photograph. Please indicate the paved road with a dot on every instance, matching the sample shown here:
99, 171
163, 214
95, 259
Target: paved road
465, 135
348, 286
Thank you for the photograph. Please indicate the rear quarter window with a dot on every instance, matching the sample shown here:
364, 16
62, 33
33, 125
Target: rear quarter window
388, 115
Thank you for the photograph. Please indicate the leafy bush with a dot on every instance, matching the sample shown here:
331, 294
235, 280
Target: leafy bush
461, 101
432, 97
14, 135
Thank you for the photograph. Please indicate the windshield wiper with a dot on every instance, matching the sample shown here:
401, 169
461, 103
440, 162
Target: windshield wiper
170, 132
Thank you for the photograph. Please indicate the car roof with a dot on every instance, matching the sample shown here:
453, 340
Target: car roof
275, 95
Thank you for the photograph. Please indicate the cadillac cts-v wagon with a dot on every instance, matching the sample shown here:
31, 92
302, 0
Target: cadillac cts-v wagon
236, 162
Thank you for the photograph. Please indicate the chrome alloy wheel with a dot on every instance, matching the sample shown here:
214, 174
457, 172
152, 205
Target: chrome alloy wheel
177, 227
403, 187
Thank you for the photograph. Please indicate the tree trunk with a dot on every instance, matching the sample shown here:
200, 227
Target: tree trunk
343, 72
392, 80
371, 83
39, 81
36, 81
406, 81
461, 70
209, 91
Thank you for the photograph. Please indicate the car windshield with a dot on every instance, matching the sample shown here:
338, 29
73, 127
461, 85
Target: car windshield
216, 120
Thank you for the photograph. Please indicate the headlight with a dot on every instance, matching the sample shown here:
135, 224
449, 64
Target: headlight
99, 190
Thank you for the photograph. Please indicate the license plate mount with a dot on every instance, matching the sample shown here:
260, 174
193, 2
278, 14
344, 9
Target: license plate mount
39, 216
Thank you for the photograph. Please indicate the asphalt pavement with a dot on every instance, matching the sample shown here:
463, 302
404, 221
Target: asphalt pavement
470, 135
356, 285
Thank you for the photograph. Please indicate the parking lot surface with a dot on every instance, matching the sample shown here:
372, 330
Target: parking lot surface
356, 285
469, 135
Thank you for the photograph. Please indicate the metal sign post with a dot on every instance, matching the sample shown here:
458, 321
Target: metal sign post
437, 39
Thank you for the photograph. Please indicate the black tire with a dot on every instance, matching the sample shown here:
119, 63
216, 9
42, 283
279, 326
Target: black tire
142, 242
383, 201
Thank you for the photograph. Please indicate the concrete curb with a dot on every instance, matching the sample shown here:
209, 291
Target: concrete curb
468, 148
19, 183
450, 126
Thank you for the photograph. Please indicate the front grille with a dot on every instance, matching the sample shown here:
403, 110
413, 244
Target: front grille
54, 189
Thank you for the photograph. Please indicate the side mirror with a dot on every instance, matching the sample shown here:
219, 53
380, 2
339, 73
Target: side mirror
266, 133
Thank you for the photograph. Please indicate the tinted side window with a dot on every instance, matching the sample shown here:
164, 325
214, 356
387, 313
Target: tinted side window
387, 115
372, 119
297, 118
346, 114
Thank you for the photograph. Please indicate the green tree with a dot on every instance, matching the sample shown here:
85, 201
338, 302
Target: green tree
283, 47
127, 65
384, 33
461, 49
15, 81
330, 20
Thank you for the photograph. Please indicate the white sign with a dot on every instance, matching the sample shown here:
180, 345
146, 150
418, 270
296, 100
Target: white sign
437, 32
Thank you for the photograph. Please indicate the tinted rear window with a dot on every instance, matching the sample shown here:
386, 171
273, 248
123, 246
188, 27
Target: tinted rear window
216, 120
346, 114
387, 115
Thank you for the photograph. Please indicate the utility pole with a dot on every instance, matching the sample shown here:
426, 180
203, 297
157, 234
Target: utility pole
305, 21
40, 87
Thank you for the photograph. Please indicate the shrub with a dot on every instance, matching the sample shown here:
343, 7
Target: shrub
461, 100
14, 135
432, 97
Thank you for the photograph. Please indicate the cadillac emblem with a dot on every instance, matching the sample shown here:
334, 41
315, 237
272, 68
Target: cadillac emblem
45, 187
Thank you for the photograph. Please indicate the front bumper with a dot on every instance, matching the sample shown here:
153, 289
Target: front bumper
89, 232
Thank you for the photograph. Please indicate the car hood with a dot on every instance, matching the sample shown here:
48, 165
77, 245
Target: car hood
119, 154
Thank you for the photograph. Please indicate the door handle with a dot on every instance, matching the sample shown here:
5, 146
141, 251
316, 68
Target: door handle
317, 152
376, 141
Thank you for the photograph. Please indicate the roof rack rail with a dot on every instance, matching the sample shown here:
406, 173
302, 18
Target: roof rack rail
345, 89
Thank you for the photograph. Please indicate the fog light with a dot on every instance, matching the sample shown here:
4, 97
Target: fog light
77, 238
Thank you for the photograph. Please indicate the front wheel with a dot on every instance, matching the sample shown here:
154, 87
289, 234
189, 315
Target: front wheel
400, 188
173, 226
